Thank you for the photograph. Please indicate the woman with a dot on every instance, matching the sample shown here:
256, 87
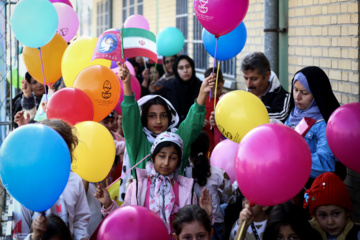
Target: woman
168, 63
313, 97
183, 90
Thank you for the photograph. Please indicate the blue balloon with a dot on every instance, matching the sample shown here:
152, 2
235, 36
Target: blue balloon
229, 45
35, 166
34, 22
169, 41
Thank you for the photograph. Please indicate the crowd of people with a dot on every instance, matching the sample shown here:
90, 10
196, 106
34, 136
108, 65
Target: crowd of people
169, 134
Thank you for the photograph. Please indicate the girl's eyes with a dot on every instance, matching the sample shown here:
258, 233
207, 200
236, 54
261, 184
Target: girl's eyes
336, 214
164, 116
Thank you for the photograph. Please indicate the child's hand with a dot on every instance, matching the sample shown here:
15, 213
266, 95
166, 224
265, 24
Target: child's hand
20, 118
146, 74
25, 88
103, 196
206, 86
39, 227
124, 73
205, 201
212, 119
246, 215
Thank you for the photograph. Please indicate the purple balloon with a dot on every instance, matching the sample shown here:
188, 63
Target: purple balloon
132, 222
223, 156
137, 21
273, 164
343, 135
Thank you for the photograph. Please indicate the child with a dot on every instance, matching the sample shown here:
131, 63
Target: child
71, 207
330, 205
156, 115
288, 221
256, 217
49, 228
213, 178
192, 222
158, 187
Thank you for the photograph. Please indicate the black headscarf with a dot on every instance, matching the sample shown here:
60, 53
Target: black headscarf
181, 93
320, 87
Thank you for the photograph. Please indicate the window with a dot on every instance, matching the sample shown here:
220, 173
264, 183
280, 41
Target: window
182, 22
228, 67
124, 16
140, 7
200, 54
131, 7
103, 21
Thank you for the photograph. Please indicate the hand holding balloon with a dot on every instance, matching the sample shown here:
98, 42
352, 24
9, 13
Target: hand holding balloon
125, 77
206, 86
39, 227
103, 196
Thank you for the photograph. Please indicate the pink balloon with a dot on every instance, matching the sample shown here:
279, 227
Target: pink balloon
62, 1
223, 156
343, 135
132, 222
137, 21
220, 17
135, 86
130, 67
68, 21
273, 164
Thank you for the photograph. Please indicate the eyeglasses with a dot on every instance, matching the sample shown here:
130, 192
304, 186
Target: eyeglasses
169, 61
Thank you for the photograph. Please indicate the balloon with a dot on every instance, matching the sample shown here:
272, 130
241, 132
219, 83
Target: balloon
169, 41
228, 46
114, 191
68, 21
51, 54
135, 86
77, 57
237, 112
95, 153
103, 88
71, 105
34, 22
133, 222
137, 21
15, 76
62, 1
223, 156
36, 173
273, 164
343, 135
220, 17
130, 67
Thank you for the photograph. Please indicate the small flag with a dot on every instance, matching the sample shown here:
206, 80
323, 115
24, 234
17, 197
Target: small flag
108, 46
138, 42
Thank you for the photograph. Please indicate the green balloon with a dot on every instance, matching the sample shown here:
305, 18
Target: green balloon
15, 75
169, 41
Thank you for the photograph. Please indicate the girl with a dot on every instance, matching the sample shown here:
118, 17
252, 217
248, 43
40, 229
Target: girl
288, 221
156, 115
192, 222
151, 76
158, 187
184, 88
213, 178
330, 205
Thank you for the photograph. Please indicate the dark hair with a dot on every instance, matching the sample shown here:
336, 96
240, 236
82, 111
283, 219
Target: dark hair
159, 69
188, 214
288, 214
198, 154
255, 60
167, 144
176, 63
145, 109
209, 71
28, 77
65, 131
56, 227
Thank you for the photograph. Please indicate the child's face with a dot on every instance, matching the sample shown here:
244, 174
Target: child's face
287, 233
219, 89
193, 231
331, 218
157, 119
108, 123
166, 161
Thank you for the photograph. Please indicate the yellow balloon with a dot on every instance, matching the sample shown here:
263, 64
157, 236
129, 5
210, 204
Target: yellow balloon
95, 153
114, 192
77, 57
238, 112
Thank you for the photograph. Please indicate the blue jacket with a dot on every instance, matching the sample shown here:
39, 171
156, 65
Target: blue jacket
323, 160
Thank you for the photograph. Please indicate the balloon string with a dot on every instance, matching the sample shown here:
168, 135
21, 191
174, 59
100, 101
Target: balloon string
216, 82
128, 171
242, 230
43, 73
154, 72
217, 39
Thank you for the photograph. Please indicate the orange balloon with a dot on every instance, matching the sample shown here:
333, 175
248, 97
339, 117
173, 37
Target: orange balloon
51, 57
102, 86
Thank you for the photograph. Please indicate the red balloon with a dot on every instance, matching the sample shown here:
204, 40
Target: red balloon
62, 1
133, 222
71, 105
343, 135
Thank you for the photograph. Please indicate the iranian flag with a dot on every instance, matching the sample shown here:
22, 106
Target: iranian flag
138, 42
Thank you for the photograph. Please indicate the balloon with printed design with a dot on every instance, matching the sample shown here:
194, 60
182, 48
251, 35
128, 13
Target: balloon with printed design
68, 21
